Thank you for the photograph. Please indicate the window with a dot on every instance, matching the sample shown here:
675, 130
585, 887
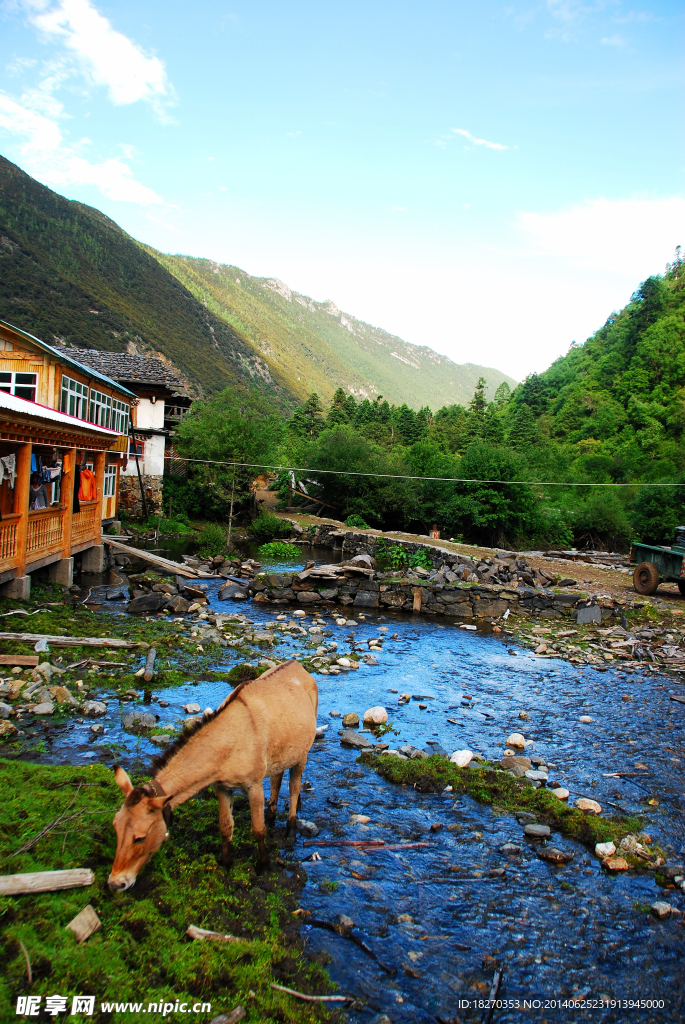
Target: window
100, 408
74, 398
120, 416
23, 385
136, 448
110, 485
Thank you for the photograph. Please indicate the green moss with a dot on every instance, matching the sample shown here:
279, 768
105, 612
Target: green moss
142, 952
490, 785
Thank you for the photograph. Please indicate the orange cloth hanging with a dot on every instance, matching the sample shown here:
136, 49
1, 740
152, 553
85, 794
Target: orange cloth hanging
87, 491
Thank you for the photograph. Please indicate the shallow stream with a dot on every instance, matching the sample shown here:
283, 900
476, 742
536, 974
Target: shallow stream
434, 916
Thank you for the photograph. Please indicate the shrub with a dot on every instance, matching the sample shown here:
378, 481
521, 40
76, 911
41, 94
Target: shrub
357, 522
212, 540
276, 551
267, 526
420, 559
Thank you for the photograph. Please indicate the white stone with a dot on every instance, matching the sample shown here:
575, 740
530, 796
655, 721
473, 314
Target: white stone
516, 740
338, 622
300, 614
461, 758
345, 662
586, 719
360, 819
93, 708
46, 708
561, 793
375, 716
661, 909
587, 805
605, 849
191, 709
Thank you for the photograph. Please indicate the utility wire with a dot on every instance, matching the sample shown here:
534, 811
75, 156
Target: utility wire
399, 476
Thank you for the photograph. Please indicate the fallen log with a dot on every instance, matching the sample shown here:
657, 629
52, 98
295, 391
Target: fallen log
164, 563
71, 641
45, 881
202, 933
150, 665
19, 659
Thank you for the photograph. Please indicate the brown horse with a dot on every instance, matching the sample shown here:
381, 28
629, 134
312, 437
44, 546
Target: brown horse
263, 728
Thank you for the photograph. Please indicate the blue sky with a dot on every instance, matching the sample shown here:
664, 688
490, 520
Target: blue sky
488, 179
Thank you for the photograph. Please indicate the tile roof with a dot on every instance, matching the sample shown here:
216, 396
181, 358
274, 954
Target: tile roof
132, 369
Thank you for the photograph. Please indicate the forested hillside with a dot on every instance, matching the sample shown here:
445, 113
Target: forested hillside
319, 348
611, 411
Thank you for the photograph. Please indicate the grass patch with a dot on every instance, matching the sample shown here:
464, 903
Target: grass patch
276, 550
141, 952
490, 785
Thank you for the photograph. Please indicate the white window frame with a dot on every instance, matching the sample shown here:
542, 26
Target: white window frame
120, 416
100, 408
10, 386
74, 400
109, 486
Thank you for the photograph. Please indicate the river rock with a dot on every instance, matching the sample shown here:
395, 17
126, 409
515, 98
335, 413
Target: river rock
46, 708
146, 604
62, 695
93, 708
585, 616
616, 863
178, 605
116, 594
605, 849
360, 819
536, 776
561, 793
97, 729
5, 710
661, 909
191, 709
7, 730
586, 719
139, 720
461, 758
510, 849
354, 739
537, 831
588, 806
515, 761
350, 719
307, 828
369, 659
517, 740
554, 855
233, 592
375, 716
161, 740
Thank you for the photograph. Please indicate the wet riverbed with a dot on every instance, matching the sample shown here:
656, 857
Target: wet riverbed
439, 917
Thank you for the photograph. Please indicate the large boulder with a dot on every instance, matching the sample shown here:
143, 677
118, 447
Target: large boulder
138, 720
178, 605
365, 599
233, 592
375, 716
93, 708
364, 560
147, 604
348, 738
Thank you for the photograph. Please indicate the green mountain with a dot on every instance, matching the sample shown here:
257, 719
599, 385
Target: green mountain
69, 273
319, 348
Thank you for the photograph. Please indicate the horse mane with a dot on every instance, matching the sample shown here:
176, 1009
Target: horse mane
162, 760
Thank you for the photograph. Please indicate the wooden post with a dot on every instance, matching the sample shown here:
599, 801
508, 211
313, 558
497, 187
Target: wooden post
100, 462
66, 497
21, 503
417, 599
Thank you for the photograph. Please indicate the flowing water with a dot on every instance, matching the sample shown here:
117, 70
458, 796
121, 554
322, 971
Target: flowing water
434, 916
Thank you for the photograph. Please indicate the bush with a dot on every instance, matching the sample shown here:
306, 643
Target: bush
357, 522
267, 526
276, 551
212, 540
420, 559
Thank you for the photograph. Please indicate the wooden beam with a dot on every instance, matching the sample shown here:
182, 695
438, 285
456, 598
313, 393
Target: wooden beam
164, 563
72, 641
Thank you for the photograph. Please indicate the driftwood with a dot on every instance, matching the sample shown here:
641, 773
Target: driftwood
71, 641
85, 924
311, 999
150, 665
45, 881
202, 933
163, 563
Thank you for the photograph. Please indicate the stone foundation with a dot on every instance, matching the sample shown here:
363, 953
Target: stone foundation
129, 495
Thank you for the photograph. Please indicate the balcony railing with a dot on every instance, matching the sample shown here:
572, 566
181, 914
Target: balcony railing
45, 533
84, 524
8, 542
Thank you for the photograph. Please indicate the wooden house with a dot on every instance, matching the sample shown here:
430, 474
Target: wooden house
63, 438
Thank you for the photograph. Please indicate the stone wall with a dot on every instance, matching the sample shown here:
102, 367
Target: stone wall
129, 495
406, 591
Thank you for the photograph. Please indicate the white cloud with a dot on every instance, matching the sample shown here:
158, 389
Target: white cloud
627, 237
614, 40
105, 56
472, 139
45, 155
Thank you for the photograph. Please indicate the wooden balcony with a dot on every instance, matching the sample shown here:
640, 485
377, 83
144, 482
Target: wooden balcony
9, 558
85, 527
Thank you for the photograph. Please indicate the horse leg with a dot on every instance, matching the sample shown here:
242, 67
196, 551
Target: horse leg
255, 795
225, 797
275, 781
294, 786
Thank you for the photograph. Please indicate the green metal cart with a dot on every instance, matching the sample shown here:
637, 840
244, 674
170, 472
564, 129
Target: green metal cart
654, 565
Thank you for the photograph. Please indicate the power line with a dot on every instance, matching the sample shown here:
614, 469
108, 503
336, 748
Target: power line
400, 476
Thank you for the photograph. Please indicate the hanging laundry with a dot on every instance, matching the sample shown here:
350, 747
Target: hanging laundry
34, 464
87, 490
8, 468
77, 486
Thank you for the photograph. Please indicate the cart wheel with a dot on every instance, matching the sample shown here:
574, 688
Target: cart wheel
681, 587
646, 578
